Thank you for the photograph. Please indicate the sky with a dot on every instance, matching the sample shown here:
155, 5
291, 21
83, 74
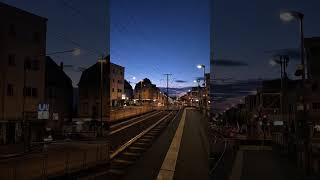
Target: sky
148, 37
154, 37
246, 31
244, 36
72, 24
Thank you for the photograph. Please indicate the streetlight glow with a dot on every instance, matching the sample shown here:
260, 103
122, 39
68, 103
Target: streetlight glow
76, 52
272, 62
288, 16
199, 66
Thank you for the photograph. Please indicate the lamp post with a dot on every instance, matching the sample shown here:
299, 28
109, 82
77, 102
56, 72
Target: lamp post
204, 100
289, 16
140, 90
101, 62
25, 127
198, 82
283, 61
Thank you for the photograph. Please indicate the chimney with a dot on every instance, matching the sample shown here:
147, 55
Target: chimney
61, 66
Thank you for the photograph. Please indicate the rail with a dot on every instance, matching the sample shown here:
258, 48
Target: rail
134, 139
131, 124
220, 158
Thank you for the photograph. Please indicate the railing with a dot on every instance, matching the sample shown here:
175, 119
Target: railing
54, 161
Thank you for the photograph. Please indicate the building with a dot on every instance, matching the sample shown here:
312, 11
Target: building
116, 85
22, 79
207, 90
146, 92
90, 95
128, 92
58, 94
312, 46
192, 97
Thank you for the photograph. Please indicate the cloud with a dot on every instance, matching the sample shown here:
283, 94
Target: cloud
228, 62
293, 53
199, 78
180, 81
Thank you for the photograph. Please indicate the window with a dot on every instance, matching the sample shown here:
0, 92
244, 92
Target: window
119, 90
119, 81
35, 64
85, 108
112, 80
27, 63
27, 91
51, 93
84, 93
34, 92
36, 37
11, 60
112, 89
12, 30
10, 90
316, 106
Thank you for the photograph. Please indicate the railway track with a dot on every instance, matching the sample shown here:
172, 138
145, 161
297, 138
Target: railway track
127, 153
127, 131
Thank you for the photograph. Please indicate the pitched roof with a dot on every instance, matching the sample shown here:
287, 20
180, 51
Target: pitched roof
55, 75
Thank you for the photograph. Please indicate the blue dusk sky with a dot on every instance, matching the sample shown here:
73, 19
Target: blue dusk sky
147, 37
249, 31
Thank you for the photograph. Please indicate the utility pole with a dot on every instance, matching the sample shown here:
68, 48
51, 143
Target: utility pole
101, 61
167, 89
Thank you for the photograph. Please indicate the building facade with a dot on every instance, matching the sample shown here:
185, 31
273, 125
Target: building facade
90, 93
128, 92
146, 92
116, 85
58, 94
22, 68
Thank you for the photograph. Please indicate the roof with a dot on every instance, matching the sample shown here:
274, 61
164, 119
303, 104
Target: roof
312, 41
21, 11
118, 66
91, 76
55, 76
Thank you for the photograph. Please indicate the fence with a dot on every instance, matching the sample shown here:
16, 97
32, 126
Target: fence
55, 161
130, 112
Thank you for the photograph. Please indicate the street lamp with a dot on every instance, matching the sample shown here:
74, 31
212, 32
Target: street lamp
202, 66
289, 16
101, 62
140, 90
198, 81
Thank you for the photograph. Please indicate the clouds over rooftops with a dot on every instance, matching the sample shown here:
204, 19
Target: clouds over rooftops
228, 62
